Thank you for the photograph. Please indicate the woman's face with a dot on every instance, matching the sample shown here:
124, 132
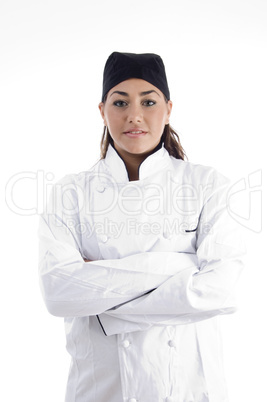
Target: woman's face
135, 113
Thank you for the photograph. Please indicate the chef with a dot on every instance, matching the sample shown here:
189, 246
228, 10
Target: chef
139, 254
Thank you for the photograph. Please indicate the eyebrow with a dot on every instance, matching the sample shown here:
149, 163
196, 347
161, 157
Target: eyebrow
141, 93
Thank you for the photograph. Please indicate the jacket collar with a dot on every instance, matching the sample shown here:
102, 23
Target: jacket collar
115, 166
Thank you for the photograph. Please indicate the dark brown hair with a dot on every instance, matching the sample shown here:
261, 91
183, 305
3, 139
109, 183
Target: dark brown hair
169, 137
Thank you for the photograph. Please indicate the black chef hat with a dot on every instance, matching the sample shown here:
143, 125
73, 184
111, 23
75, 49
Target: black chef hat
147, 66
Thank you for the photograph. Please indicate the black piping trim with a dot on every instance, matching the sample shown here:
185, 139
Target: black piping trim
189, 231
100, 323
157, 148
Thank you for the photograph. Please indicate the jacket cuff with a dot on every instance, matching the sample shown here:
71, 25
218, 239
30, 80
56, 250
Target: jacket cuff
113, 326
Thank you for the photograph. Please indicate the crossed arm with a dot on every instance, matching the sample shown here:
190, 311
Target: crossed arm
153, 288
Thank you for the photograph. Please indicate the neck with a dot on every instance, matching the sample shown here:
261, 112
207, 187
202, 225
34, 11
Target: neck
133, 161
132, 164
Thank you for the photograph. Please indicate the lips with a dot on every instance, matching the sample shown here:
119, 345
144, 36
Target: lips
135, 133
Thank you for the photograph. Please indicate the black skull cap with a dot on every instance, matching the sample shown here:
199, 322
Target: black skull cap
146, 66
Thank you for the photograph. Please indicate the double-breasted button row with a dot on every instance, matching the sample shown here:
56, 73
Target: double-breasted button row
126, 343
168, 399
104, 238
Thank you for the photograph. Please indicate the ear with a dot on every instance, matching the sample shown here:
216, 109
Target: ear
169, 110
101, 107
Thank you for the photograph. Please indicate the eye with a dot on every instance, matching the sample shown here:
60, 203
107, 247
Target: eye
149, 102
120, 103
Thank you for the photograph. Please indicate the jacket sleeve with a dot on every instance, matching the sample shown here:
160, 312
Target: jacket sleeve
192, 295
72, 287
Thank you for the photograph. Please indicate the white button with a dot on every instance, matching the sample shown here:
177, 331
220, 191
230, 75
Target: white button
132, 400
103, 238
100, 188
171, 343
126, 343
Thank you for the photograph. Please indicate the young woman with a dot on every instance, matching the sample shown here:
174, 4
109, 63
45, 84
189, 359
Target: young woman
139, 254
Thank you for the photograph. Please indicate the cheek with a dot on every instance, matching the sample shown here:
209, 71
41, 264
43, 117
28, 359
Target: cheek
159, 120
114, 124
111, 120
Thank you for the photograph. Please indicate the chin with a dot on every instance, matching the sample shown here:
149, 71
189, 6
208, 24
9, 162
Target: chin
138, 150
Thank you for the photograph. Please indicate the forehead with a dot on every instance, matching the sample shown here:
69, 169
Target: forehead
134, 86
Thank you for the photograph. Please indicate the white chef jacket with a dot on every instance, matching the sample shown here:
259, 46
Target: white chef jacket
141, 319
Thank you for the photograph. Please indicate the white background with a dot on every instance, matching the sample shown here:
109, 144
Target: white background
52, 55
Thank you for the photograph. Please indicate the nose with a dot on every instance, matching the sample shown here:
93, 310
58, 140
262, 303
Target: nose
135, 114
